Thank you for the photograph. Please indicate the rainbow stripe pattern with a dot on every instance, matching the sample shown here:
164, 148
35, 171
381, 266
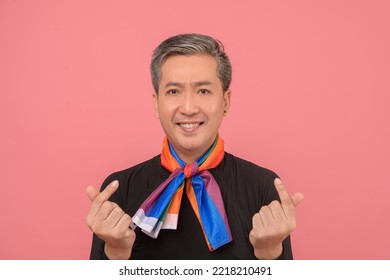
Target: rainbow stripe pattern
161, 209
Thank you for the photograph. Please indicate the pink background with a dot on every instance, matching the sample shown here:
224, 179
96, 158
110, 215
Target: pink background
311, 93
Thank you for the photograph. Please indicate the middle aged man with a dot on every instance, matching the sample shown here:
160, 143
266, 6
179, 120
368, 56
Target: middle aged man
194, 201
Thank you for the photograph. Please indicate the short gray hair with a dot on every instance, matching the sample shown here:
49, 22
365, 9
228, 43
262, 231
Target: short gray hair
191, 44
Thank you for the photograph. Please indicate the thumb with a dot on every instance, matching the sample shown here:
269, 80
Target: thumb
92, 193
297, 198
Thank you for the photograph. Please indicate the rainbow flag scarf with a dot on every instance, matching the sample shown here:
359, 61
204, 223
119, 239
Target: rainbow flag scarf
161, 209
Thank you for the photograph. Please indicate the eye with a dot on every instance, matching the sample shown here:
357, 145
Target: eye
204, 91
173, 91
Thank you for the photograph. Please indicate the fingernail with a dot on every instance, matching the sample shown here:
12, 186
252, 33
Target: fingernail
278, 181
114, 183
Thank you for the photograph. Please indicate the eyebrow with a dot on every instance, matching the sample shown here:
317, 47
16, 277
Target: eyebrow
194, 84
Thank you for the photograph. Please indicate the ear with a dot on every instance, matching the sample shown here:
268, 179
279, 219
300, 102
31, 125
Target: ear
155, 105
226, 100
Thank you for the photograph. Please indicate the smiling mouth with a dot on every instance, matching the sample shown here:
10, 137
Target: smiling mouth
190, 125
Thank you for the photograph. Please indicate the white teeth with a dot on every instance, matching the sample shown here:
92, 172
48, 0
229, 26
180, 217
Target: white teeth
189, 125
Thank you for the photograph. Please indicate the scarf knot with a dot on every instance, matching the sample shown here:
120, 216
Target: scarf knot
190, 170
161, 209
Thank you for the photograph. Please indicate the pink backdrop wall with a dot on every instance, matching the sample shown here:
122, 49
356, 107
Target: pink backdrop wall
311, 93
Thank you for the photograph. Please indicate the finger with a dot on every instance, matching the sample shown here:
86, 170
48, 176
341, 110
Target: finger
114, 217
285, 221
97, 216
266, 216
256, 221
277, 211
297, 198
103, 197
92, 192
106, 193
285, 198
123, 227
105, 210
125, 222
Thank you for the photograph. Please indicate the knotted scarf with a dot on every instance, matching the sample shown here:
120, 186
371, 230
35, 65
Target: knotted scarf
161, 209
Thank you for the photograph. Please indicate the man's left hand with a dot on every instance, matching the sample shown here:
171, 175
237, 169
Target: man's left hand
273, 223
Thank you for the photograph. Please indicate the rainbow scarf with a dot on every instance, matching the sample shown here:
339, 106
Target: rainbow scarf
161, 209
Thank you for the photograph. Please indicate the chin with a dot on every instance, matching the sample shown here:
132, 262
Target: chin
189, 146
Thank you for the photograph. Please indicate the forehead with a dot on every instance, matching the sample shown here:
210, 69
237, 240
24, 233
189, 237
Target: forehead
189, 66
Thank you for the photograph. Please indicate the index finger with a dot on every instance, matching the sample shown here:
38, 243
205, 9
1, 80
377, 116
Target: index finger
285, 198
105, 194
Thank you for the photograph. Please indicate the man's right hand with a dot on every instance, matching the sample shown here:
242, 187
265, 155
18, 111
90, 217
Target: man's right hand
110, 223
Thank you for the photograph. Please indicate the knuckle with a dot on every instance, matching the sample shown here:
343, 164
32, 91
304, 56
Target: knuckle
127, 219
264, 208
93, 224
274, 203
256, 217
98, 200
107, 206
114, 204
89, 221
114, 210
284, 229
293, 226
129, 234
254, 235
119, 211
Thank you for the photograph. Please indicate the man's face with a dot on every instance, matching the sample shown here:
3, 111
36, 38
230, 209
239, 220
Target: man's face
190, 103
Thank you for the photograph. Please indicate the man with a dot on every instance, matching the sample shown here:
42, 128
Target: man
194, 201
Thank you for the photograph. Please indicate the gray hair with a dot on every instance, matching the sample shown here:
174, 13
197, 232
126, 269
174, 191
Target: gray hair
191, 44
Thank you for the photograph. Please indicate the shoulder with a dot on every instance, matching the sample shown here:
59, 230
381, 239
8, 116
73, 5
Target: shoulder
143, 169
242, 178
247, 168
136, 183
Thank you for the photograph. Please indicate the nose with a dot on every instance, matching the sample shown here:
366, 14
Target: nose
189, 104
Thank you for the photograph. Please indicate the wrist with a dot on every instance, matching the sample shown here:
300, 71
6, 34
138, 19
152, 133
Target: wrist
115, 253
269, 253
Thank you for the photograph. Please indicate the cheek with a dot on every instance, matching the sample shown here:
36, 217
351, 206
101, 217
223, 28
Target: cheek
166, 112
215, 117
216, 109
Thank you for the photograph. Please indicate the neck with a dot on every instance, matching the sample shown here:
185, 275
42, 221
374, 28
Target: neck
189, 157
